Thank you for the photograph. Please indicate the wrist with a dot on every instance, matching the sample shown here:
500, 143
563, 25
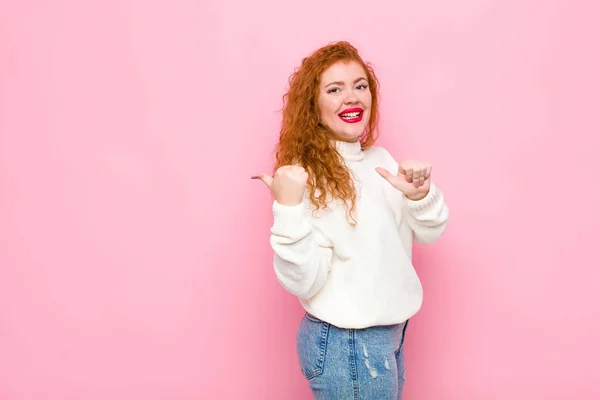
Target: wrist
288, 202
417, 197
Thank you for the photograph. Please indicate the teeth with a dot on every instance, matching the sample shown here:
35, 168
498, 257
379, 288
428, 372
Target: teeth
351, 115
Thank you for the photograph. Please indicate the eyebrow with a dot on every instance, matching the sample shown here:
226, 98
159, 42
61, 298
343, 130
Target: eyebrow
340, 83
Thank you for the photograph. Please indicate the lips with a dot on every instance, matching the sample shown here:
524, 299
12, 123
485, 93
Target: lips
351, 115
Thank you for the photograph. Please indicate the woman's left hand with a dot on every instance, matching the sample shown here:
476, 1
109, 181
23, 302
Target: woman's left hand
413, 178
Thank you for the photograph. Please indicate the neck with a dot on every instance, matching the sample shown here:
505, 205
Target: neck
350, 151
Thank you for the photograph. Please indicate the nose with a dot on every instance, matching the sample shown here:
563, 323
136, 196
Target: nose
351, 98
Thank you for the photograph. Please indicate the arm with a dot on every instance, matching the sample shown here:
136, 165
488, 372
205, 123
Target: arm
302, 255
427, 217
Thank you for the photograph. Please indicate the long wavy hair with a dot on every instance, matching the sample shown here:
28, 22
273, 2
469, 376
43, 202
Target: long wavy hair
304, 140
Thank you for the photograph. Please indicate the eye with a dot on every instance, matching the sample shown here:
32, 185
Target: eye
332, 90
362, 86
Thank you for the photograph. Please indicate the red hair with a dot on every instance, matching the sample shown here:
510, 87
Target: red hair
304, 140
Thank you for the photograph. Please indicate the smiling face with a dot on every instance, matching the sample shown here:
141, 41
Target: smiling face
345, 100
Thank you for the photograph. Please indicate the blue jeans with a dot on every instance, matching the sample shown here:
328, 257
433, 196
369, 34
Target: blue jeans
352, 364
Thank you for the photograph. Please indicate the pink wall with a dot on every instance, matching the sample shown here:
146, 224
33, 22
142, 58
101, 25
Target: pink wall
129, 130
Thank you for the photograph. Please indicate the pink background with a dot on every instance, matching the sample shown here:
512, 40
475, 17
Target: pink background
134, 250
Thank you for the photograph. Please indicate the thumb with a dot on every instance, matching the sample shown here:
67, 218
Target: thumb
387, 175
267, 179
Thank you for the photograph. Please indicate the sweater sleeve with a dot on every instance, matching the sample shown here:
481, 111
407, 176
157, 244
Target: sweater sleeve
302, 257
427, 217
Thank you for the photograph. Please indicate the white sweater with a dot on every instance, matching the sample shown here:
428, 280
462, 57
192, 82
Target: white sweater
356, 277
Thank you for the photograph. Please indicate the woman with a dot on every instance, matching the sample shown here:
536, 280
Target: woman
345, 217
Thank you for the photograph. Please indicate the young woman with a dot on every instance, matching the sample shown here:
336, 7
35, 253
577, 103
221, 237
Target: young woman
345, 217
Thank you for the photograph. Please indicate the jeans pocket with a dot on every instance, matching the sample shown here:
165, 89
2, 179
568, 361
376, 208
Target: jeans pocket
311, 345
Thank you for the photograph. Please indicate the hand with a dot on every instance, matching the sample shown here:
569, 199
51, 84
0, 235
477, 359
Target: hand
288, 184
413, 179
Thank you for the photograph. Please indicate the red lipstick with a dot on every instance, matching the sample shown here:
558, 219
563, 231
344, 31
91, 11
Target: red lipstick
351, 115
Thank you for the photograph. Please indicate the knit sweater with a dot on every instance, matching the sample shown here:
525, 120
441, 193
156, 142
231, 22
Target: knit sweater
357, 276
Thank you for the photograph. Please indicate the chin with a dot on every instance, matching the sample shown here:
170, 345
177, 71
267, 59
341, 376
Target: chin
349, 136
349, 132
353, 134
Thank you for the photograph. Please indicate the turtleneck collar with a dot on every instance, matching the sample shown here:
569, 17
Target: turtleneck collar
350, 151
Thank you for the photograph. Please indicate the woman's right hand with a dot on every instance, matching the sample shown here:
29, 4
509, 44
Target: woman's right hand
288, 184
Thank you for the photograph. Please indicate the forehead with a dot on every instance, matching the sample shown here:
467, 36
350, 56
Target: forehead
343, 71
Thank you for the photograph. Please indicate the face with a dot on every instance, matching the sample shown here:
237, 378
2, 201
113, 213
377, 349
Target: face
345, 100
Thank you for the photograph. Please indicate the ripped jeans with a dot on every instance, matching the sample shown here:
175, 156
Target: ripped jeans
352, 364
